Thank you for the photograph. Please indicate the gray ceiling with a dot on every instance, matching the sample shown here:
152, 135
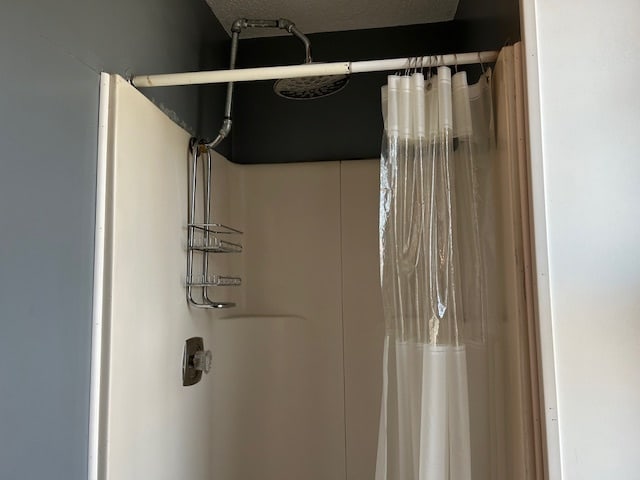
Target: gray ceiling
312, 16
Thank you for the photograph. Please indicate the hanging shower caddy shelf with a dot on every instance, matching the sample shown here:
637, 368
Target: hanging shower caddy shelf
208, 242
203, 238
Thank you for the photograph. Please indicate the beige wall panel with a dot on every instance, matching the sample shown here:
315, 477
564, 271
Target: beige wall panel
362, 314
278, 409
156, 427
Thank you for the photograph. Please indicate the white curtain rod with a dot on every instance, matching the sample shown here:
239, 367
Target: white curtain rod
309, 70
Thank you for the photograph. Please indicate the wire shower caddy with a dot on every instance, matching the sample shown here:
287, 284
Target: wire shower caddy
205, 238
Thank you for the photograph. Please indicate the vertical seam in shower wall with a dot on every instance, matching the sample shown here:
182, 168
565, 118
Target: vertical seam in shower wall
344, 368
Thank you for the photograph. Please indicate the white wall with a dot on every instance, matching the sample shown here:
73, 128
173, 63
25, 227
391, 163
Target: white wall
275, 403
297, 380
296, 374
154, 427
586, 174
278, 393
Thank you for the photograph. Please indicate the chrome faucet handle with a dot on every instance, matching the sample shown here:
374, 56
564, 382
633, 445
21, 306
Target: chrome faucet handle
202, 360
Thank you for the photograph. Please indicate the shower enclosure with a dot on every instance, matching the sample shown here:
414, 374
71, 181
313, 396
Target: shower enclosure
297, 337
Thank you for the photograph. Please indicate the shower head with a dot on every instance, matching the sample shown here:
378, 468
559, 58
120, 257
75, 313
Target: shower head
294, 88
307, 88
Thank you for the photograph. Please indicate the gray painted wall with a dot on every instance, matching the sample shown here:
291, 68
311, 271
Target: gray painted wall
348, 124
51, 54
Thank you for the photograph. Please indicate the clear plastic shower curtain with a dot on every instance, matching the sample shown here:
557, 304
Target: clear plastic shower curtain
438, 137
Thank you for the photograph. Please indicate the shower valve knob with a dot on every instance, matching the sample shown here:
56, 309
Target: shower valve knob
195, 361
202, 360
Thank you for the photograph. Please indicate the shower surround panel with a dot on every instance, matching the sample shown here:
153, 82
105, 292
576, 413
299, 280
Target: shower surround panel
152, 426
296, 378
294, 389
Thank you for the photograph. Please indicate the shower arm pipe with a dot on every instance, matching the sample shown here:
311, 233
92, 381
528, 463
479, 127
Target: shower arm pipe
282, 24
226, 122
310, 69
237, 26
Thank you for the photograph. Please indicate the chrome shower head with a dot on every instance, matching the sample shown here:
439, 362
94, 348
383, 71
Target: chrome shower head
308, 88
299, 89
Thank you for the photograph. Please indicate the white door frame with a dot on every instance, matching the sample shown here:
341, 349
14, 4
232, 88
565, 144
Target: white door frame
543, 308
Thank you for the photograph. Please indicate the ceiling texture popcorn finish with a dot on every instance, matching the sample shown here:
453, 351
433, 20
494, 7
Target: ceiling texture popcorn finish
312, 16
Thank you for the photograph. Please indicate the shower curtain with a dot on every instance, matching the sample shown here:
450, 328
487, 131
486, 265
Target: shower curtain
437, 256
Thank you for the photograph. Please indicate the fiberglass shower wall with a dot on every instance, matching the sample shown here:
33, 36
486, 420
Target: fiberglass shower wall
296, 380
308, 320
146, 425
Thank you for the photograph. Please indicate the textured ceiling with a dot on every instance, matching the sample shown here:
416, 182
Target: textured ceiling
312, 16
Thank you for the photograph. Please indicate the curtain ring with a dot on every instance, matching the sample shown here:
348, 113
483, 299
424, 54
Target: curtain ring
428, 69
407, 71
481, 64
